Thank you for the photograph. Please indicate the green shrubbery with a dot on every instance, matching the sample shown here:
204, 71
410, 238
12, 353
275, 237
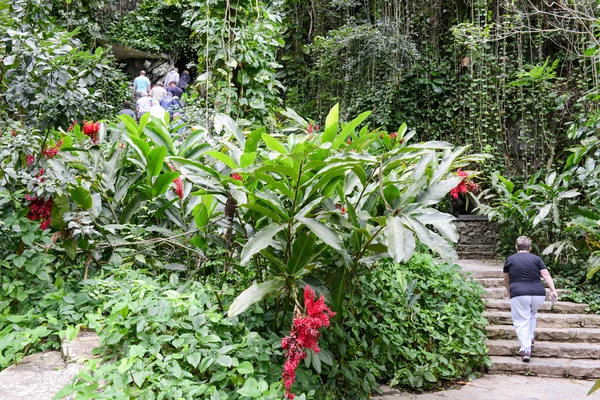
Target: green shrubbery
415, 325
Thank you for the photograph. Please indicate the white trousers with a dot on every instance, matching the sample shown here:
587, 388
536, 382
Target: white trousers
524, 312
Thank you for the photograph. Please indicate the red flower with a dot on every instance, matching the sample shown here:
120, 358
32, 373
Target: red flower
30, 159
51, 152
179, 187
178, 184
304, 335
464, 186
309, 130
393, 135
46, 224
91, 130
14, 133
236, 176
349, 141
72, 126
317, 128
39, 210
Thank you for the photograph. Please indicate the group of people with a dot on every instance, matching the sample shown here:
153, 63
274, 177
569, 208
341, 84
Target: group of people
157, 99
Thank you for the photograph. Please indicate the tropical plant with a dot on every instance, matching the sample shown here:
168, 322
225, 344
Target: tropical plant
328, 205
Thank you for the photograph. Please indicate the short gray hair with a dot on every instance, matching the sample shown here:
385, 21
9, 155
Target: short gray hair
523, 243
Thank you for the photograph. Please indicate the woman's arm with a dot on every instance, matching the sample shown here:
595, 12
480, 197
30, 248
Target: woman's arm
507, 283
550, 282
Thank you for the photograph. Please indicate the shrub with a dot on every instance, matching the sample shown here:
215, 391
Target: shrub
167, 340
415, 325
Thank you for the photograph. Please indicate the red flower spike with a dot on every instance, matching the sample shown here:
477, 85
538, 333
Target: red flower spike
349, 141
30, 159
317, 128
13, 132
309, 130
91, 130
236, 176
304, 335
393, 135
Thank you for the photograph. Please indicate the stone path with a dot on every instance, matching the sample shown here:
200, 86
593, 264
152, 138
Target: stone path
567, 340
40, 376
567, 345
502, 387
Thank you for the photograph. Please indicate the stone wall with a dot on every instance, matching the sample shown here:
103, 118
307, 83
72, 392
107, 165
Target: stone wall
478, 237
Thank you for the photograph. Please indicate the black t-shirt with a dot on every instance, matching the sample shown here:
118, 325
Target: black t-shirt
524, 273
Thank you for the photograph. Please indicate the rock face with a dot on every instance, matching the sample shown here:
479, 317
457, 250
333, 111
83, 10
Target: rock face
40, 376
478, 237
567, 341
156, 70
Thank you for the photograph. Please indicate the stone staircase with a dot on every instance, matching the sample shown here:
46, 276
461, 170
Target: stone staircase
567, 341
478, 237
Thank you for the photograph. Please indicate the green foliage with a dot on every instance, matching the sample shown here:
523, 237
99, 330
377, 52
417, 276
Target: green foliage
237, 47
414, 325
48, 79
154, 27
166, 339
289, 192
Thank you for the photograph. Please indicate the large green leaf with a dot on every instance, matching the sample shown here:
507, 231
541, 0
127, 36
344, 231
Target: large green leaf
274, 144
333, 116
339, 284
111, 169
163, 181
542, 214
253, 295
158, 133
399, 240
350, 128
302, 253
156, 159
82, 197
259, 241
225, 121
323, 232
124, 187
437, 191
224, 158
253, 140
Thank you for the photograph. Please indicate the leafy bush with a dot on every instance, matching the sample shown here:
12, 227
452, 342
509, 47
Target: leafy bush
415, 325
48, 78
167, 340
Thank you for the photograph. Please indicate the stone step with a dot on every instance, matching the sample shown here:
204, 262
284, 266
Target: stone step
548, 320
481, 255
483, 248
546, 349
507, 332
497, 282
556, 367
562, 307
500, 293
482, 273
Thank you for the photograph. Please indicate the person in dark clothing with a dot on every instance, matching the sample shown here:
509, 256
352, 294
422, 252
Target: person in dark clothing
127, 110
171, 104
184, 79
174, 90
522, 272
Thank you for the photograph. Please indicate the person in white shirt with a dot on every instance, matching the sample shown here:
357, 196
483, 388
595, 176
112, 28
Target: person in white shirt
158, 92
157, 111
144, 104
172, 76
